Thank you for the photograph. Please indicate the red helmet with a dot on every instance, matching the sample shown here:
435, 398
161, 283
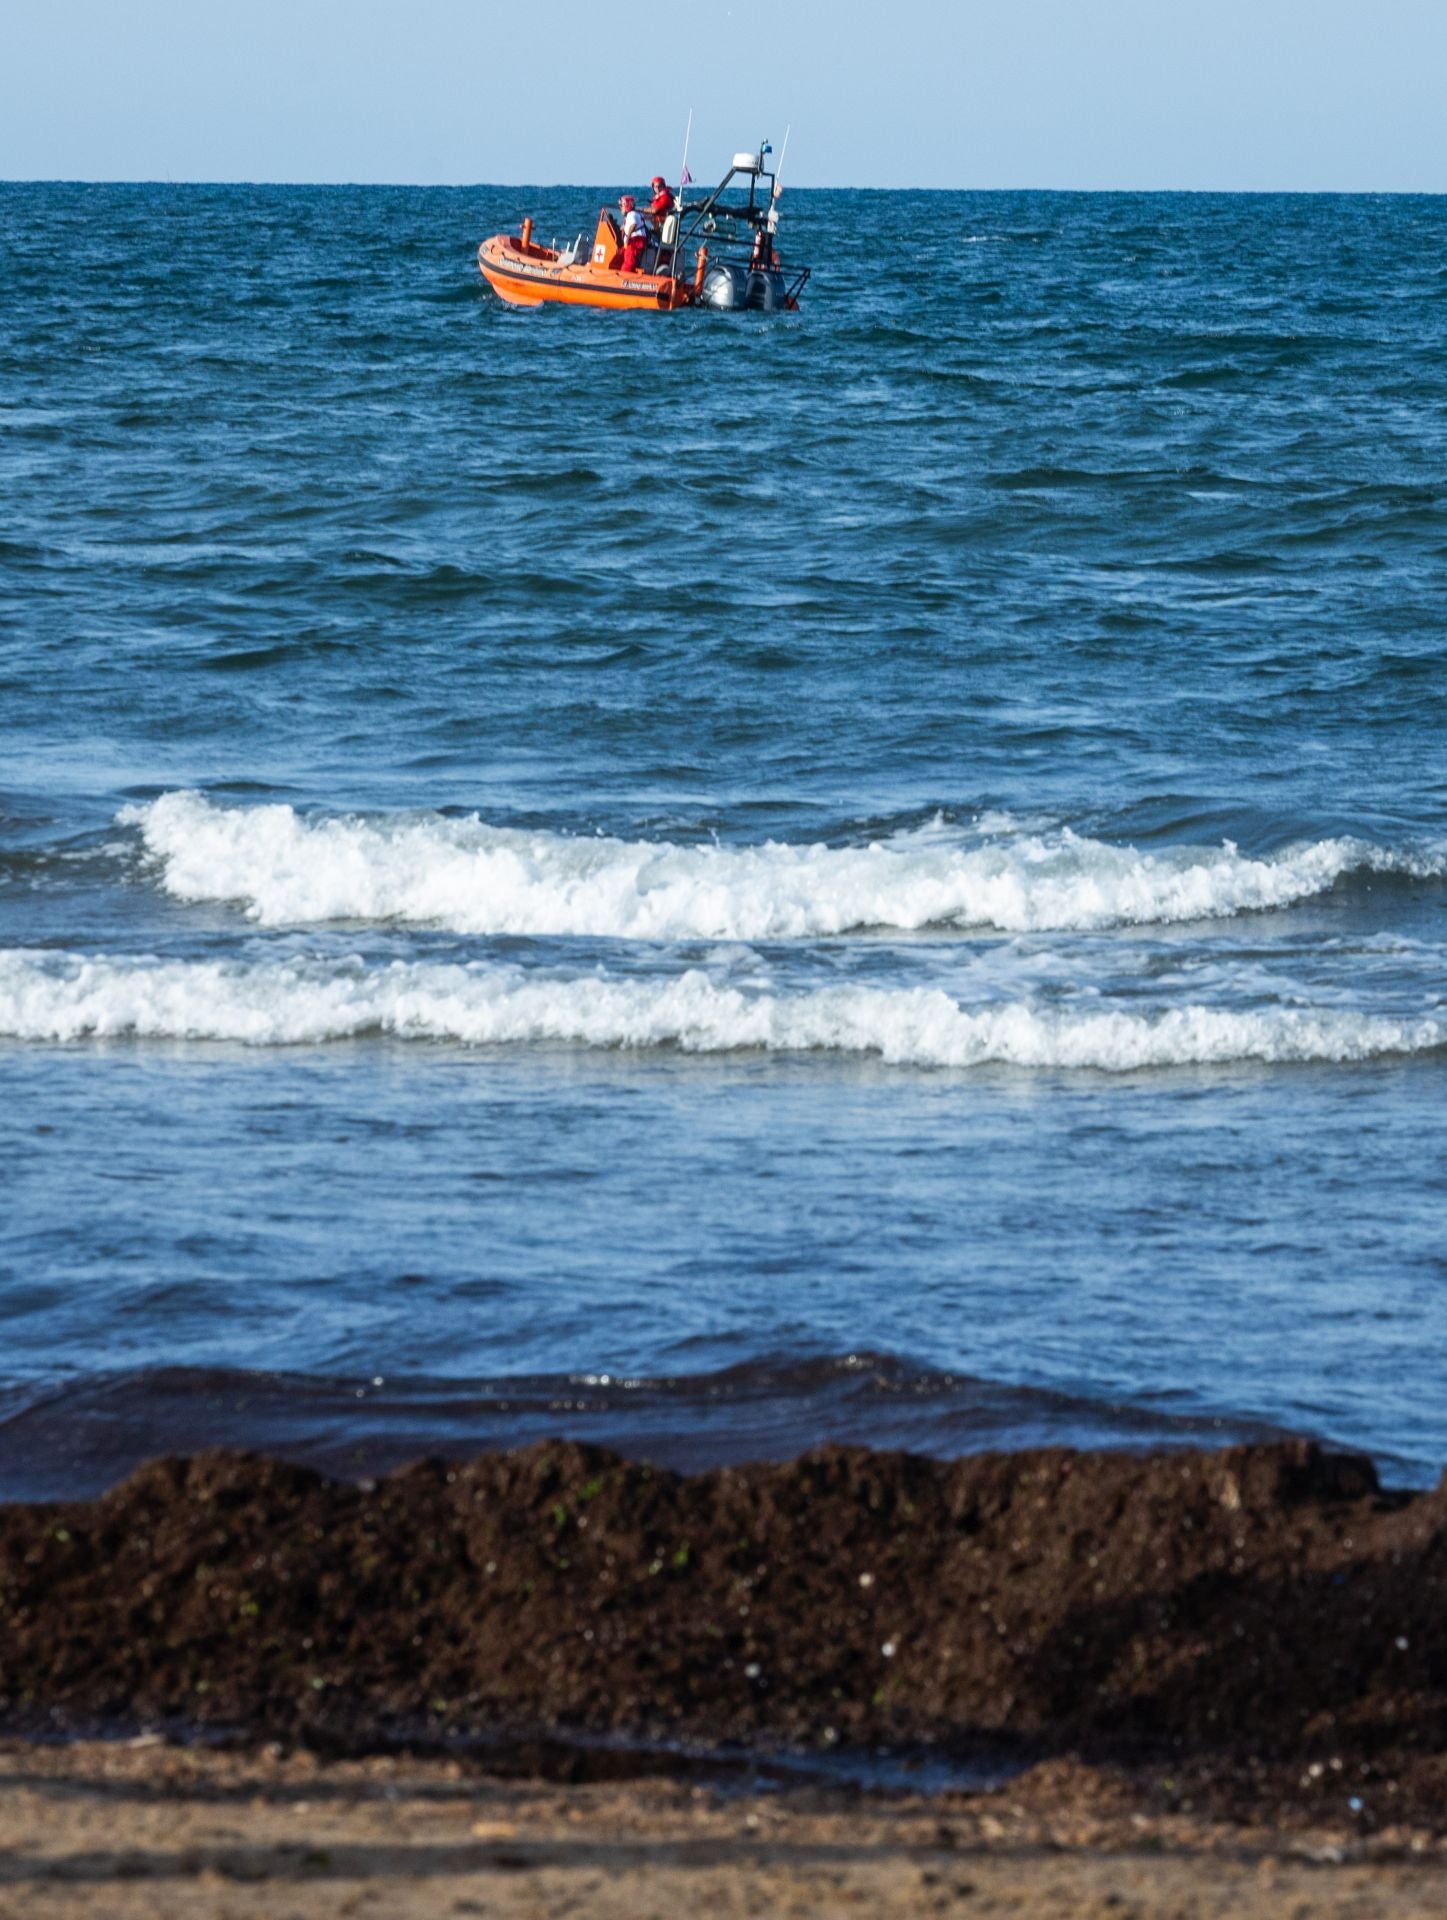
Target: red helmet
626, 203
658, 181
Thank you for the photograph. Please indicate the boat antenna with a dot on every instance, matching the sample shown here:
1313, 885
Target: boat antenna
772, 221
678, 214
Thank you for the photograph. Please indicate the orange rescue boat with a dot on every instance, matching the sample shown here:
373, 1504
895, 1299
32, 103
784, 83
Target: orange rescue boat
719, 252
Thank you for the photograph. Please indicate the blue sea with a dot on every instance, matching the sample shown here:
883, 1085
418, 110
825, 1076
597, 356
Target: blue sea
721, 882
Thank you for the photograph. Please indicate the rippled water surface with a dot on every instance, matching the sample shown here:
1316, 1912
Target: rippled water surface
718, 882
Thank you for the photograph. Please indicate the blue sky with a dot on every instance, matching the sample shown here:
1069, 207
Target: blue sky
1308, 94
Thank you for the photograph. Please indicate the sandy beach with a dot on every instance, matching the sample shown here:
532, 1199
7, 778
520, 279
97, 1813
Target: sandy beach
147, 1831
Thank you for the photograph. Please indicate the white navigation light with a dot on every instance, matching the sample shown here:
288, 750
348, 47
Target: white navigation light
748, 162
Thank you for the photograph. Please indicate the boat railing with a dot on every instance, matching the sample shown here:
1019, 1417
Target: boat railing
715, 221
796, 286
738, 231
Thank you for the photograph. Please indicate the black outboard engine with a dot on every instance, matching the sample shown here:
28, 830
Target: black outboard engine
766, 290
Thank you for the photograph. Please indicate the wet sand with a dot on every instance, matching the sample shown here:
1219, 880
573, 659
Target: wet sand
146, 1832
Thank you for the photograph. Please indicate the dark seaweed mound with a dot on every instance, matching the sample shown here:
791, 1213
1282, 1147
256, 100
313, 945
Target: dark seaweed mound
1269, 1605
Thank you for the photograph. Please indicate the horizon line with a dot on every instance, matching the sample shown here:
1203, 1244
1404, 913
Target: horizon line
553, 186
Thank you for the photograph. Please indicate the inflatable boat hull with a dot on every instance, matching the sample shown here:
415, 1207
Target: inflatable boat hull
531, 276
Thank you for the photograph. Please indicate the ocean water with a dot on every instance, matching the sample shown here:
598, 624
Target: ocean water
716, 882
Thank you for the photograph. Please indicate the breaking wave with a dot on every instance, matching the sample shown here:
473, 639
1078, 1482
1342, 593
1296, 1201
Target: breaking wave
61, 997
291, 869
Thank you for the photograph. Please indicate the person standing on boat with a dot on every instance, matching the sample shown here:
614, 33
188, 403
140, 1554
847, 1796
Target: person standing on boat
635, 233
663, 202
660, 211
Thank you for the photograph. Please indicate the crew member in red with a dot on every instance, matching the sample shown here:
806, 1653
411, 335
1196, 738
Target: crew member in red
635, 234
660, 208
663, 201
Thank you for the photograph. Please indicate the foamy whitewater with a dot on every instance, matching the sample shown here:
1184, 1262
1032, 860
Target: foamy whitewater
876, 875
295, 1002
287, 870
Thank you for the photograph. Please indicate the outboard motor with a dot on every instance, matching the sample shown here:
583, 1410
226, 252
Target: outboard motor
766, 291
726, 286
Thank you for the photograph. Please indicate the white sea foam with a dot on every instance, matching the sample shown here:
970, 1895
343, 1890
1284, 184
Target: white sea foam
289, 869
45, 996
